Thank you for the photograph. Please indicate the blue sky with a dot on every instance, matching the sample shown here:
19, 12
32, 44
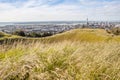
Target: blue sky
59, 10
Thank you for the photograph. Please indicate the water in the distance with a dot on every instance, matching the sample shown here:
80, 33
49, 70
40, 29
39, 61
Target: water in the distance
5, 23
42, 22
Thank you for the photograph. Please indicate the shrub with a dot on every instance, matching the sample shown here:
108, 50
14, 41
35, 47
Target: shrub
108, 30
41, 34
19, 32
47, 34
116, 30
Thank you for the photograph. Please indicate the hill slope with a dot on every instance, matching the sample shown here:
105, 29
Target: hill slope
77, 54
84, 35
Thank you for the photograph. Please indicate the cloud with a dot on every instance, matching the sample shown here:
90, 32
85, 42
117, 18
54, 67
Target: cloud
47, 10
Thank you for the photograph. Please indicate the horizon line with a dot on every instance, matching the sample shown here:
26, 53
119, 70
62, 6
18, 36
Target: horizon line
59, 21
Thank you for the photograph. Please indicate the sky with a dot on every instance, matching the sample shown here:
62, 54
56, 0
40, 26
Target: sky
59, 10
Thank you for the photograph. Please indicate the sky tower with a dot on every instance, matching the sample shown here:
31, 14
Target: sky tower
87, 22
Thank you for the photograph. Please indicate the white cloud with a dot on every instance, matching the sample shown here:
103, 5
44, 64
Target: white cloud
40, 10
5, 6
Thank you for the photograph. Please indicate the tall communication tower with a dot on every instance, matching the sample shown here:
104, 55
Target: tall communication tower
87, 22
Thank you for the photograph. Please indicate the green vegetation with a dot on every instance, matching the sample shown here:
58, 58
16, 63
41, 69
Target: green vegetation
116, 30
32, 34
43, 34
81, 54
19, 32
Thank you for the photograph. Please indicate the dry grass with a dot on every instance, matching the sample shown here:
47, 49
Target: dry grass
65, 60
62, 59
84, 35
81, 35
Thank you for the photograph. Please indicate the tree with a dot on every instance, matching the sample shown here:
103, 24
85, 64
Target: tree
19, 32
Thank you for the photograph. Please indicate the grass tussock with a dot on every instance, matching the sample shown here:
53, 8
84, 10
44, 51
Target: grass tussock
63, 60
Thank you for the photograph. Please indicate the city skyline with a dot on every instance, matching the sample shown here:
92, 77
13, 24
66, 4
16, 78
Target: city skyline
59, 10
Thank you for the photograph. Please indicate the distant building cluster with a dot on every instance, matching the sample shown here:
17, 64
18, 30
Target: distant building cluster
55, 28
101, 25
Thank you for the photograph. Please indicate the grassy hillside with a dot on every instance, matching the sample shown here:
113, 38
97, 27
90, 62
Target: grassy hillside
4, 36
84, 35
89, 35
74, 55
